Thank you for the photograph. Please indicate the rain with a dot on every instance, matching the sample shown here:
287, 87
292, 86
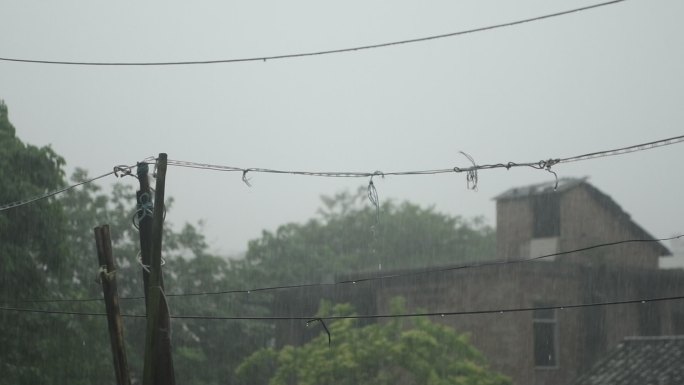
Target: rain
358, 193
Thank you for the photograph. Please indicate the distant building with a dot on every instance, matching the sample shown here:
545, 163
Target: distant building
544, 346
536, 220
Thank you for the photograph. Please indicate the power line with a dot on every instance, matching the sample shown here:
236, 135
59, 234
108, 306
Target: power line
382, 277
540, 165
366, 316
51, 193
317, 53
445, 313
119, 171
426, 271
625, 150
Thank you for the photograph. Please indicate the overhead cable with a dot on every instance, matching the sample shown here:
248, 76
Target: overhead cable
118, 171
373, 278
625, 150
315, 53
23, 202
540, 165
366, 316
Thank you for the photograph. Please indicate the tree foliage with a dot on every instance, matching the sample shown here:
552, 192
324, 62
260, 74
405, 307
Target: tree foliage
32, 250
47, 251
27, 171
395, 352
349, 237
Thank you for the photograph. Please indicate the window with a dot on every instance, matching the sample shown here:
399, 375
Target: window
678, 322
546, 211
545, 333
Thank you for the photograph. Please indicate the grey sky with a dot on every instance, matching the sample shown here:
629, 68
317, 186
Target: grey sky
589, 81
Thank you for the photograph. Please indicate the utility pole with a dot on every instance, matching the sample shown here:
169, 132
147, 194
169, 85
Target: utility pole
158, 362
103, 243
144, 214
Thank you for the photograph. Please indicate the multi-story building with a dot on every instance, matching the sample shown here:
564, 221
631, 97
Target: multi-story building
546, 346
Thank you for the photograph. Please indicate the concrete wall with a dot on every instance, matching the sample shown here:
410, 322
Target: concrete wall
585, 220
506, 339
607, 274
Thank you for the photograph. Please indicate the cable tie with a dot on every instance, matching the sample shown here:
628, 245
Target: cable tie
121, 171
546, 165
140, 262
373, 196
324, 327
471, 174
244, 177
102, 272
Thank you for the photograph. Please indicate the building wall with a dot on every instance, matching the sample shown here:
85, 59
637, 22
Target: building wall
584, 335
586, 219
513, 227
506, 339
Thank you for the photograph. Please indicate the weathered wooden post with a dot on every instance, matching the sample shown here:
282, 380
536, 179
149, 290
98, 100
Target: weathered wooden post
103, 243
158, 361
145, 209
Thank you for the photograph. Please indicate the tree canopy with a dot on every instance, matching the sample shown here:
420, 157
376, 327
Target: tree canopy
47, 253
348, 237
395, 352
27, 171
32, 250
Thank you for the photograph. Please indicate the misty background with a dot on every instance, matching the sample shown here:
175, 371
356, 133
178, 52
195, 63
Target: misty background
589, 81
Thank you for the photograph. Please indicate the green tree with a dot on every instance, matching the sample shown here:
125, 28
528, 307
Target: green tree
32, 252
47, 252
395, 352
348, 237
201, 353
27, 171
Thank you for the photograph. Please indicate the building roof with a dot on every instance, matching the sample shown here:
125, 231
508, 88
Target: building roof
566, 184
640, 361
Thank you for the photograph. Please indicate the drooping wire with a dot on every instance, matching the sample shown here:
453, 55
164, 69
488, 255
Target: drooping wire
316, 53
472, 265
373, 196
325, 327
23, 202
366, 316
119, 171
540, 165
545, 165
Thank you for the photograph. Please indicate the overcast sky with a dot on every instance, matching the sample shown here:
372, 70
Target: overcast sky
588, 81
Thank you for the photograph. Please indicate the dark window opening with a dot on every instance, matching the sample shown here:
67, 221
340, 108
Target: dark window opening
678, 322
546, 211
544, 329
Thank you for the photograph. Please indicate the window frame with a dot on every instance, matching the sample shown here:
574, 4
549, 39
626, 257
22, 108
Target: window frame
553, 321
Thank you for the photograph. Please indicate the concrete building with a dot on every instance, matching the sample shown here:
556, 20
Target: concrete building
550, 346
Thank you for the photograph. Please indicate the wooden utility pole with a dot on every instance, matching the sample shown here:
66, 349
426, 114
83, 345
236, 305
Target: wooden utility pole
103, 243
158, 363
144, 214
